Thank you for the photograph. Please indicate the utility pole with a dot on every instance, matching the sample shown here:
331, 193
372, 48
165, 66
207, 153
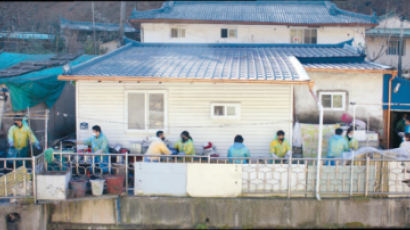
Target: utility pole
92, 9
122, 19
400, 47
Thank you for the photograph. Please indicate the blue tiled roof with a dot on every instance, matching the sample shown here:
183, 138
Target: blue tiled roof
195, 61
394, 32
270, 12
88, 26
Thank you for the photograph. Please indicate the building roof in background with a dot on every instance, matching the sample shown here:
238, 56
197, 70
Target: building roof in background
255, 12
9, 59
385, 32
27, 35
88, 26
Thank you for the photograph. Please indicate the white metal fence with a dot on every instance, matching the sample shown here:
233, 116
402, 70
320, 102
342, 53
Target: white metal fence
261, 176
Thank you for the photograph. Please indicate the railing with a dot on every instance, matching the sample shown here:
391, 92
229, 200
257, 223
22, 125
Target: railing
260, 176
16, 177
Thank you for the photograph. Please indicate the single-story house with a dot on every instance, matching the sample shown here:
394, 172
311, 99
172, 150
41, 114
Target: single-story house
214, 91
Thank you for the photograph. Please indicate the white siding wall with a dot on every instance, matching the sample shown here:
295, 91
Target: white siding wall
264, 110
364, 89
377, 47
210, 33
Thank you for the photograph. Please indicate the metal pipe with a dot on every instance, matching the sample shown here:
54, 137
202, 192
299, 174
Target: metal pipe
46, 130
320, 139
389, 110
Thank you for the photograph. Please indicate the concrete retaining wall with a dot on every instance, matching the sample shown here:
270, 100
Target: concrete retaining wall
154, 212
31, 216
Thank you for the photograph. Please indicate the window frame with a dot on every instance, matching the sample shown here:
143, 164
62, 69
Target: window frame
333, 93
396, 48
179, 32
228, 30
237, 106
304, 32
146, 110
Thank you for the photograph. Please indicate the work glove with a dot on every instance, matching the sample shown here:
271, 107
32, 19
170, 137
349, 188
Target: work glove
11, 143
37, 146
288, 154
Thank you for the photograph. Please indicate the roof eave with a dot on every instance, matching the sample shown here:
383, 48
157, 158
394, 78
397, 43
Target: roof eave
191, 21
351, 70
171, 79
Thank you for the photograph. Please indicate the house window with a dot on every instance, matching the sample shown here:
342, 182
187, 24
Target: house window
146, 110
225, 111
333, 100
229, 33
394, 46
303, 36
177, 33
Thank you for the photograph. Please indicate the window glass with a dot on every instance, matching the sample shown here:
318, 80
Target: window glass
218, 110
232, 33
156, 111
174, 33
136, 111
394, 46
327, 101
231, 110
310, 36
224, 33
337, 101
177, 33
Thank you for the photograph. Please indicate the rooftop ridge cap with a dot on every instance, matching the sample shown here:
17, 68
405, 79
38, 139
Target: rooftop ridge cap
333, 6
100, 58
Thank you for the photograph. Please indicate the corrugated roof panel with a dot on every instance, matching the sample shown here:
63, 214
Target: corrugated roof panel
195, 61
281, 12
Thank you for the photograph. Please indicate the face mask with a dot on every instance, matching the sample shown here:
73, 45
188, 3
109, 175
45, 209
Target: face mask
350, 136
94, 134
163, 138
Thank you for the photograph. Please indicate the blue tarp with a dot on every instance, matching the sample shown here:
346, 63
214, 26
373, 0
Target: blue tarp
33, 88
9, 59
402, 95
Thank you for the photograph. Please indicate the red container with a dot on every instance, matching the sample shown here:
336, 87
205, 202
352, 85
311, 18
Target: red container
78, 188
115, 184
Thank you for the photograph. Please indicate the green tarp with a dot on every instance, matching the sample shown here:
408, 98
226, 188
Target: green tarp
33, 88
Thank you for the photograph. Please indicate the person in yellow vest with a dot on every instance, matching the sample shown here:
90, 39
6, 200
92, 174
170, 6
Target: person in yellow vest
185, 146
351, 141
157, 147
19, 137
280, 148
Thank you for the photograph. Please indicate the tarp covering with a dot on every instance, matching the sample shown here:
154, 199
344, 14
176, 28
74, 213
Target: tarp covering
9, 59
33, 88
400, 89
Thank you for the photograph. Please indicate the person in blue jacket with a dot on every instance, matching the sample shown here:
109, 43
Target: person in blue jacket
99, 145
238, 149
337, 145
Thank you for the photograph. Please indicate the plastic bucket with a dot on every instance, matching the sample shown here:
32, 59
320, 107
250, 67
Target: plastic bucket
115, 184
97, 187
78, 188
